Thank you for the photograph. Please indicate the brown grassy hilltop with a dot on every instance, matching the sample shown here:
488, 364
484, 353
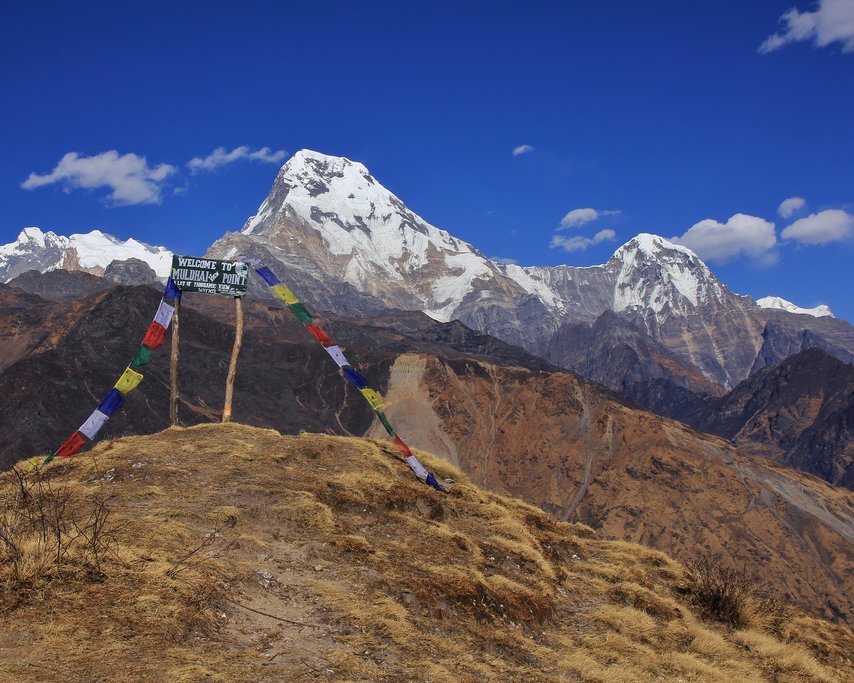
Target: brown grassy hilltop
231, 553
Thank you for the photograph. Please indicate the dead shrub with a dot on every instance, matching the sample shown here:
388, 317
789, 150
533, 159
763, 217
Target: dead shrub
728, 595
49, 531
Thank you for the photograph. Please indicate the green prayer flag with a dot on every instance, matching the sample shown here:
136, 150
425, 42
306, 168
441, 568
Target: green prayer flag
301, 312
142, 357
384, 420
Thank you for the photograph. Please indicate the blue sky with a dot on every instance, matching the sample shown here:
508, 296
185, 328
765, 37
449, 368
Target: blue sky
668, 113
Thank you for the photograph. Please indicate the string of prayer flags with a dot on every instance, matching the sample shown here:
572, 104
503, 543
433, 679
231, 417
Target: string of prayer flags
374, 398
154, 337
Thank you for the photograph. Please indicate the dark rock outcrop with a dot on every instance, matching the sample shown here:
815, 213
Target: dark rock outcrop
132, 271
799, 413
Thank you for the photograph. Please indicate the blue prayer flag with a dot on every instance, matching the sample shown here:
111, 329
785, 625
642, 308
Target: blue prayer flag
431, 481
355, 377
268, 275
112, 402
171, 291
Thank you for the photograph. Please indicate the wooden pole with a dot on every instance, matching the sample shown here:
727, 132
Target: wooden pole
173, 369
232, 366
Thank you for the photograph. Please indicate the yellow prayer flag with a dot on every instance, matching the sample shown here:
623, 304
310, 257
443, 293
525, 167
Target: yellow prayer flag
372, 397
129, 381
285, 294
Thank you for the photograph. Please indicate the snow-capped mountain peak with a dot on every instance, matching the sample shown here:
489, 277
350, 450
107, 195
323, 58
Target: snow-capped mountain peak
35, 249
653, 273
333, 209
820, 311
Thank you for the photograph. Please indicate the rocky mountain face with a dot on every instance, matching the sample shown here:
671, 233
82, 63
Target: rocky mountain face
507, 418
91, 252
618, 354
348, 245
59, 285
799, 413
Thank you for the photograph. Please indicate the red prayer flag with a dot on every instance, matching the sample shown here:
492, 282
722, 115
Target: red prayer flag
320, 334
402, 447
71, 445
155, 336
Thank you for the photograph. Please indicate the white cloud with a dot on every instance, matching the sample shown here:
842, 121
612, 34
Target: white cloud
579, 243
789, 206
503, 260
832, 21
741, 235
220, 157
129, 176
820, 228
578, 217
522, 149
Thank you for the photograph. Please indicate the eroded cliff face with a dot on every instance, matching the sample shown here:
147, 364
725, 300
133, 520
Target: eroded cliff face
573, 449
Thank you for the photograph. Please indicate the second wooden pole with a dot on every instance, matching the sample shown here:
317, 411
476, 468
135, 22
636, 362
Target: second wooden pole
232, 366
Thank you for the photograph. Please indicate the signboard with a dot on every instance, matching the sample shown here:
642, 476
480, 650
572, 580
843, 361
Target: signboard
192, 274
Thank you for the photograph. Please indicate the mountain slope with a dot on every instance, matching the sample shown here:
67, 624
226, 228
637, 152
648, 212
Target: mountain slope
511, 421
567, 446
245, 555
799, 413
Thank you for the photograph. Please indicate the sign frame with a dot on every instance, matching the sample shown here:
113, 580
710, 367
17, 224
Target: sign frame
210, 276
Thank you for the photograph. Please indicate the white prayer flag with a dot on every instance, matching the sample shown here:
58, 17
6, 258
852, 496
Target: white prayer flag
337, 355
164, 314
417, 467
93, 425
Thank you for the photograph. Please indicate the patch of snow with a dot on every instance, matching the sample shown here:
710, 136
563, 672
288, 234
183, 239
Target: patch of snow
47, 251
450, 290
820, 311
96, 249
532, 282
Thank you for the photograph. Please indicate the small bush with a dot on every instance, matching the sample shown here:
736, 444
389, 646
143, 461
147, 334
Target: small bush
47, 531
726, 594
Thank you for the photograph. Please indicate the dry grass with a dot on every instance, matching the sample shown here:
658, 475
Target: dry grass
243, 555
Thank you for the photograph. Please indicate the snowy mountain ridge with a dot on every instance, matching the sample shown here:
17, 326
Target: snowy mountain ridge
819, 311
376, 236
349, 245
92, 252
